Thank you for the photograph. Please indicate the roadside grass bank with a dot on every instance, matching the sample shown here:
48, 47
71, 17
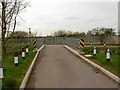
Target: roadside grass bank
113, 65
13, 75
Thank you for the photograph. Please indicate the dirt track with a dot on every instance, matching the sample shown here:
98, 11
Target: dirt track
56, 67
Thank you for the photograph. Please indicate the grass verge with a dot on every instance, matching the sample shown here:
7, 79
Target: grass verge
13, 75
113, 65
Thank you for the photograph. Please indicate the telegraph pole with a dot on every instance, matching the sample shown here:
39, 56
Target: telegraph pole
29, 34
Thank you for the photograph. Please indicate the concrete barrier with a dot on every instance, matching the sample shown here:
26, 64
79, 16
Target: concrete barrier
111, 75
25, 79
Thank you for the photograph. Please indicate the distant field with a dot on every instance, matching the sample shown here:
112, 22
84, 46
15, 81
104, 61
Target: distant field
113, 65
13, 75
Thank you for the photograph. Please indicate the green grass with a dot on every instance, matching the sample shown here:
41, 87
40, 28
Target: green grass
14, 74
113, 65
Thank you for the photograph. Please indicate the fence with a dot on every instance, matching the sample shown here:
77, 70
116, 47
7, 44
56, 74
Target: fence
73, 42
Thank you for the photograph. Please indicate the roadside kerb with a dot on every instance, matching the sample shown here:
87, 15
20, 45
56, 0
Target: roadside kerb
111, 75
25, 79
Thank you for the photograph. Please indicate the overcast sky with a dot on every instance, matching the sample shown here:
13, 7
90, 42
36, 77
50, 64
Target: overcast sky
47, 16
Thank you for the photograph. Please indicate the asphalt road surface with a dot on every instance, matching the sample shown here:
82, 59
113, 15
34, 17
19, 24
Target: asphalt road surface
56, 67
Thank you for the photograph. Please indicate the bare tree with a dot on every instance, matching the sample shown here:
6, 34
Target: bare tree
20, 34
94, 32
101, 33
9, 12
60, 33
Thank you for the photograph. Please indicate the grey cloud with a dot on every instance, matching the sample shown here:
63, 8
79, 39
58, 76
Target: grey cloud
72, 15
72, 18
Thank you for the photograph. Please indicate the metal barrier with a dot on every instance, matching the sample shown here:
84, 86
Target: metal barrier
72, 42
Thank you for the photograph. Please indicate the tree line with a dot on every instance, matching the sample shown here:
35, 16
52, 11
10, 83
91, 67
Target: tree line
94, 32
101, 33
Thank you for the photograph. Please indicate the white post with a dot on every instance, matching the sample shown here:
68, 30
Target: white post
104, 44
23, 53
108, 54
94, 51
1, 77
16, 58
27, 50
1, 72
91, 44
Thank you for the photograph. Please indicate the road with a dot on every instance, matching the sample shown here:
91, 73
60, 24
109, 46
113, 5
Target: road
56, 67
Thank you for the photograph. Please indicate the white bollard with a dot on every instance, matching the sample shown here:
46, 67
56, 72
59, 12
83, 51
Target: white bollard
104, 44
91, 44
94, 50
1, 72
108, 54
23, 53
16, 58
27, 50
